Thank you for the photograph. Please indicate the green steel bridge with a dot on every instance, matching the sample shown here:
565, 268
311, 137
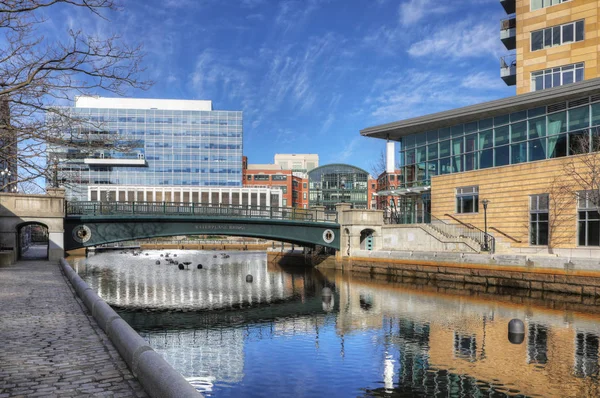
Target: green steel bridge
95, 223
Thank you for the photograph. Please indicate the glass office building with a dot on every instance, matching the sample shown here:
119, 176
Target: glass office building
150, 142
527, 135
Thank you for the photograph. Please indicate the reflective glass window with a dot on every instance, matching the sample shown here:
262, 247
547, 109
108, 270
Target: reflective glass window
579, 118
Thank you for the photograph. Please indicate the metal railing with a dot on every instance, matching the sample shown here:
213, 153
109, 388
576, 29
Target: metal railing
198, 209
467, 230
187, 241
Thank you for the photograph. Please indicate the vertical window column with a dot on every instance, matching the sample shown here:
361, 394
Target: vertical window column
538, 219
588, 218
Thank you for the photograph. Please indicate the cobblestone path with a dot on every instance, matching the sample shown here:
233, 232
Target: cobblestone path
50, 346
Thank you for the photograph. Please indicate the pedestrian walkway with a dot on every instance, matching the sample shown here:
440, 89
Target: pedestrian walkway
50, 346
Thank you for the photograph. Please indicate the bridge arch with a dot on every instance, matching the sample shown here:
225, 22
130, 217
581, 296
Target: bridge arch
33, 240
84, 231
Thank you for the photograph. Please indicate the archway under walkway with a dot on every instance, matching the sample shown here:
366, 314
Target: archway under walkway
33, 241
367, 241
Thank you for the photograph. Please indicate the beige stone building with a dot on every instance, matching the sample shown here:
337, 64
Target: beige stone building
520, 173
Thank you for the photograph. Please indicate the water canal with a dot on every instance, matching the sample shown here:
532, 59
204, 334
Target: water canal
277, 336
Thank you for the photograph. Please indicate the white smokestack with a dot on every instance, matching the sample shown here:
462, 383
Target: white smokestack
389, 157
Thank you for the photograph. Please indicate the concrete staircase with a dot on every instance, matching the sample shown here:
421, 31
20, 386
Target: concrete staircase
445, 233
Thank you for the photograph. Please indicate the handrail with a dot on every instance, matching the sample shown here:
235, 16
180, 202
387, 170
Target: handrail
505, 234
468, 225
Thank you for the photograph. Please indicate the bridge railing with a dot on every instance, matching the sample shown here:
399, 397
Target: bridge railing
197, 209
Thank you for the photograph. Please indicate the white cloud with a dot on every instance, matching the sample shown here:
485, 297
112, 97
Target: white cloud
327, 123
295, 12
405, 94
412, 11
347, 154
464, 39
255, 17
482, 81
214, 74
252, 3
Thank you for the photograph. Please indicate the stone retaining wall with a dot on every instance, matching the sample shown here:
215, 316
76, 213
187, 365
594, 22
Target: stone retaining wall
158, 377
582, 282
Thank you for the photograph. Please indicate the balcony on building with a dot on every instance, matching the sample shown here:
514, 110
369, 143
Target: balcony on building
123, 160
509, 6
508, 32
508, 69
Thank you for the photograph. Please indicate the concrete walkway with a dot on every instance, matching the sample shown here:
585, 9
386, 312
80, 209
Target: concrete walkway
50, 346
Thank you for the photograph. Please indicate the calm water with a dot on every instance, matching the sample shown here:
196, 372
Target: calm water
277, 336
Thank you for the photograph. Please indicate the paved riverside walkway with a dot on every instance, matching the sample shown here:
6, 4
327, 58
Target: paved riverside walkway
50, 346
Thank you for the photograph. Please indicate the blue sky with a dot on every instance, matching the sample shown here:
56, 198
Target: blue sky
309, 74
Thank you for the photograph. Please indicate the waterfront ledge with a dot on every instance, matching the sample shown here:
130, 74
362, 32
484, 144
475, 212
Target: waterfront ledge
156, 375
557, 274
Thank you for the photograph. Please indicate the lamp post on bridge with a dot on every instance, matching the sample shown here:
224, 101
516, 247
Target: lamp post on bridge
485, 238
55, 172
5, 177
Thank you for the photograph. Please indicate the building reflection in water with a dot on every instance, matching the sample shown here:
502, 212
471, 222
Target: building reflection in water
390, 339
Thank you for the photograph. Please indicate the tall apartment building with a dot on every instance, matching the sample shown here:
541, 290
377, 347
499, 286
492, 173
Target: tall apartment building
504, 161
555, 42
151, 143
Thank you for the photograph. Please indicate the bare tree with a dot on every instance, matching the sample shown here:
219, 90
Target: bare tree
579, 180
583, 172
37, 75
378, 166
560, 209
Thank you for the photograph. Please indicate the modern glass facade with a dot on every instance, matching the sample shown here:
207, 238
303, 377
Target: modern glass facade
539, 133
179, 147
338, 183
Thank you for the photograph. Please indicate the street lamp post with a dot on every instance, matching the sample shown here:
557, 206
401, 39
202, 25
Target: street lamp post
485, 238
55, 173
5, 177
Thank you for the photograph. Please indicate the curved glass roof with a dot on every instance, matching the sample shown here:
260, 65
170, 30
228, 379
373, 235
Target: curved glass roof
335, 168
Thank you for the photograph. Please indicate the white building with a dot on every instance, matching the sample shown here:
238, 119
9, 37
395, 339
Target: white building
246, 196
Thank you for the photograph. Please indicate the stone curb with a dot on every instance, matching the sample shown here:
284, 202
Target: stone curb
158, 378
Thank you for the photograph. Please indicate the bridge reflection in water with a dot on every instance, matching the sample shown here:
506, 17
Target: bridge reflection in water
277, 336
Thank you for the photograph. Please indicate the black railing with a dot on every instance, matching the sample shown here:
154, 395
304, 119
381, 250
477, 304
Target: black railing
198, 209
468, 230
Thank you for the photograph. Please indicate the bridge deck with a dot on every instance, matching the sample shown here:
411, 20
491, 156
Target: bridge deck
198, 209
96, 223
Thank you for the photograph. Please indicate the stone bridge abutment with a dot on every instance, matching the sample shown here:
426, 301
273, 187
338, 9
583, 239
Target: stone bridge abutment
17, 210
359, 229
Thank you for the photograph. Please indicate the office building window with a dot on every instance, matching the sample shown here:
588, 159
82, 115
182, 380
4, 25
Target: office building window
557, 35
249, 177
537, 4
538, 219
554, 77
279, 177
304, 195
467, 199
588, 218
261, 177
